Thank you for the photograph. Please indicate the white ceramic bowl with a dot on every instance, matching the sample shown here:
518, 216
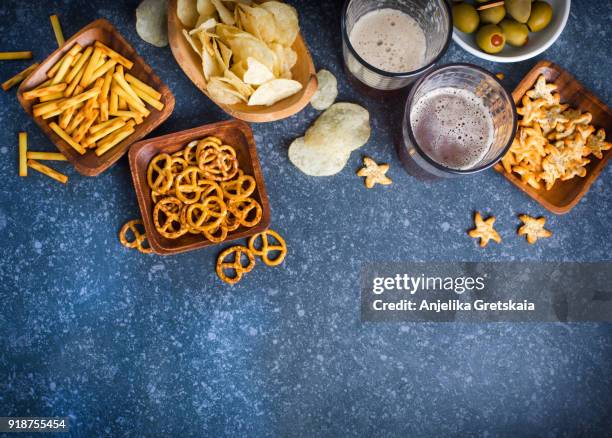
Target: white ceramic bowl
538, 41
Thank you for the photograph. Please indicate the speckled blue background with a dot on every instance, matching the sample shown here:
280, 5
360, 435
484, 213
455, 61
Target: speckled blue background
127, 344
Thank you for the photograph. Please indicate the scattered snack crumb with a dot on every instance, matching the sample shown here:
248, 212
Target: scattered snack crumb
500, 76
374, 173
236, 265
139, 237
484, 230
553, 141
533, 228
266, 248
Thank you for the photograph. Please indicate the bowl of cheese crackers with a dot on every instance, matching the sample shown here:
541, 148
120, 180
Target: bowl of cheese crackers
561, 144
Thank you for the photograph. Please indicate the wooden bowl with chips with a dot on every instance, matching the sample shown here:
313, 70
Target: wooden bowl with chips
303, 72
231, 132
564, 195
90, 164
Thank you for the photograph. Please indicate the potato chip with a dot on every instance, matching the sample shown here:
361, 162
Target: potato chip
152, 22
286, 59
195, 43
287, 24
258, 21
205, 8
274, 91
244, 89
224, 14
223, 92
342, 126
257, 73
187, 12
317, 161
244, 45
327, 90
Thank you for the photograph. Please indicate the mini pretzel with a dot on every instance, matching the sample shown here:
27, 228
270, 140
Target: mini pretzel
189, 153
159, 175
239, 188
216, 234
245, 208
206, 215
166, 216
187, 185
177, 165
139, 237
235, 265
231, 221
266, 248
219, 163
210, 188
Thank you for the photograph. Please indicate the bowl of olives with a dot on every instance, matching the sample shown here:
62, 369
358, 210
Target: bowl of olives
508, 30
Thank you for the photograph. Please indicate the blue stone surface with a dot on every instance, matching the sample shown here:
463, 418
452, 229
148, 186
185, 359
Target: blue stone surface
126, 344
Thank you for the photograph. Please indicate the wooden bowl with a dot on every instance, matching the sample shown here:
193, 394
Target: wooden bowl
101, 30
233, 132
303, 72
564, 195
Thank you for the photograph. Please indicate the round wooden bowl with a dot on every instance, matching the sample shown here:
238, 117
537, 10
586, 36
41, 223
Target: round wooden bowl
303, 72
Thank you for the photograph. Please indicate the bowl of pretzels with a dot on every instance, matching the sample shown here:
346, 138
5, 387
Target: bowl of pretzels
200, 187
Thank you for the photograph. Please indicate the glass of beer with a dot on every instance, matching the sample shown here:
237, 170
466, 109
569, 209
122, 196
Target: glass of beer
458, 120
387, 44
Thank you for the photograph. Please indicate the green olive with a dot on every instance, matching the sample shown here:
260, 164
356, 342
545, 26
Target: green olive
541, 14
517, 34
465, 17
520, 10
492, 15
490, 38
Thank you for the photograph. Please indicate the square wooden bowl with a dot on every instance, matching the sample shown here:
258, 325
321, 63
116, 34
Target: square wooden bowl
303, 72
564, 195
232, 132
89, 164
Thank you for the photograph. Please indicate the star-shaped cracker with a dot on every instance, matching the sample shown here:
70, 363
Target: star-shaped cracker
542, 90
531, 110
597, 143
533, 228
374, 173
484, 230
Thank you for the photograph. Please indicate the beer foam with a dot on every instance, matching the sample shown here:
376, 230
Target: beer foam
390, 40
453, 127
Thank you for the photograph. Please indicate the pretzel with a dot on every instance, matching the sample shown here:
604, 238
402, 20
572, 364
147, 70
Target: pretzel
159, 174
189, 153
139, 238
178, 164
218, 163
166, 216
235, 189
216, 234
206, 215
243, 208
236, 265
266, 248
231, 221
187, 185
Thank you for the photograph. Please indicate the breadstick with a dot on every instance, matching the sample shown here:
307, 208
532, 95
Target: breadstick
18, 77
57, 29
50, 97
119, 80
91, 67
80, 65
73, 51
135, 83
23, 152
79, 98
114, 55
149, 99
43, 92
112, 127
116, 138
46, 156
130, 100
59, 131
48, 171
61, 72
85, 126
9, 56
